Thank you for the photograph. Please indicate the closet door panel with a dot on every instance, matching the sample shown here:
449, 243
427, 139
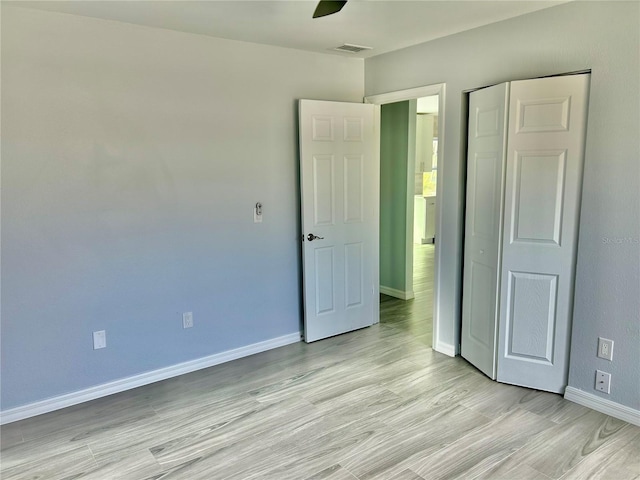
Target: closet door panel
483, 227
545, 150
538, 196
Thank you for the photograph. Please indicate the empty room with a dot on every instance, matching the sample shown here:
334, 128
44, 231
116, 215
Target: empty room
207, 208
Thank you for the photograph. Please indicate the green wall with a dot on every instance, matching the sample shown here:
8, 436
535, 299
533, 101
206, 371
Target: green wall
397, 158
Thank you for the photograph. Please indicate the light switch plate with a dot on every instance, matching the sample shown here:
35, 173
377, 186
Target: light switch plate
99, 339
257, 213
187, 320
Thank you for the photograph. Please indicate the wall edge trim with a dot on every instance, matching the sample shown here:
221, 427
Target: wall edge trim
392, 292
603, 405
134, 381
445, 348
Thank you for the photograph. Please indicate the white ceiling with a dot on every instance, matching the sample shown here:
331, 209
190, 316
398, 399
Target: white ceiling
384, 25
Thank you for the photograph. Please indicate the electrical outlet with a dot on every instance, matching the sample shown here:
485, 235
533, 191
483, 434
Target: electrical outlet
605, 348
99, 339
187, 320
603, 381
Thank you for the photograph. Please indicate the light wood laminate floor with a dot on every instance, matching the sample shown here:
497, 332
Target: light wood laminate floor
373, 404
414, 316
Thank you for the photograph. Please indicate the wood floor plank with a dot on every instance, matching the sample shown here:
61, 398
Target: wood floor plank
427, 379
407, 475
303, 454
89, 418
38, 450
481, 448
360, 403
340, 379
54, 465
494, 402
180, 424
104, 421
558, 449
10, 435
332, 440
264, 422
555, 408
411, 350
618, 459
429, 431
140, 464
420, 409
511, 470
305, 449
218, 456
334, 472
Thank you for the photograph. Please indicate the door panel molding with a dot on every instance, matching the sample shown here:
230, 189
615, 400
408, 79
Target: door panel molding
531, 322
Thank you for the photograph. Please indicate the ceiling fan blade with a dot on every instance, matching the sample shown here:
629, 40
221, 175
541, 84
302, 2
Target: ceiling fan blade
327, 7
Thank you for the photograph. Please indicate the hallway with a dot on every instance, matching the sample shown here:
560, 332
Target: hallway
414, 316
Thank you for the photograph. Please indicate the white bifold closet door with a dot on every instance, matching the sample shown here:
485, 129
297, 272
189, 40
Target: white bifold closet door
525, 309
483, 225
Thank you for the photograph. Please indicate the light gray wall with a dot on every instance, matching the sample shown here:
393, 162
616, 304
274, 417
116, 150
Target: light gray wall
131, 161
603, 37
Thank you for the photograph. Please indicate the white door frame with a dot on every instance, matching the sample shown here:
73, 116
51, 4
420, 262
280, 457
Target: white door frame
400, 96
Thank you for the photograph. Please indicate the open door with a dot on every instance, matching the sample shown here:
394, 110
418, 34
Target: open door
338, 172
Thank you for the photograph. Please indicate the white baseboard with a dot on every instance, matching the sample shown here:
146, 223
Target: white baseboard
603, 405
392, 292
445, 348
91, 393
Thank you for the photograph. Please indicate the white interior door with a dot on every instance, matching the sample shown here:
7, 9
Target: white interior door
483, 226
339, 171
547, 120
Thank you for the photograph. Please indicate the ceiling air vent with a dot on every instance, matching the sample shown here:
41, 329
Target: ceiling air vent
347, 47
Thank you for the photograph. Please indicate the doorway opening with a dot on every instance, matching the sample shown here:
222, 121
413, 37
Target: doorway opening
411, 128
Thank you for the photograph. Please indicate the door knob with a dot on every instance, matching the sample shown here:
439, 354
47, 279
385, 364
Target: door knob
311, 237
